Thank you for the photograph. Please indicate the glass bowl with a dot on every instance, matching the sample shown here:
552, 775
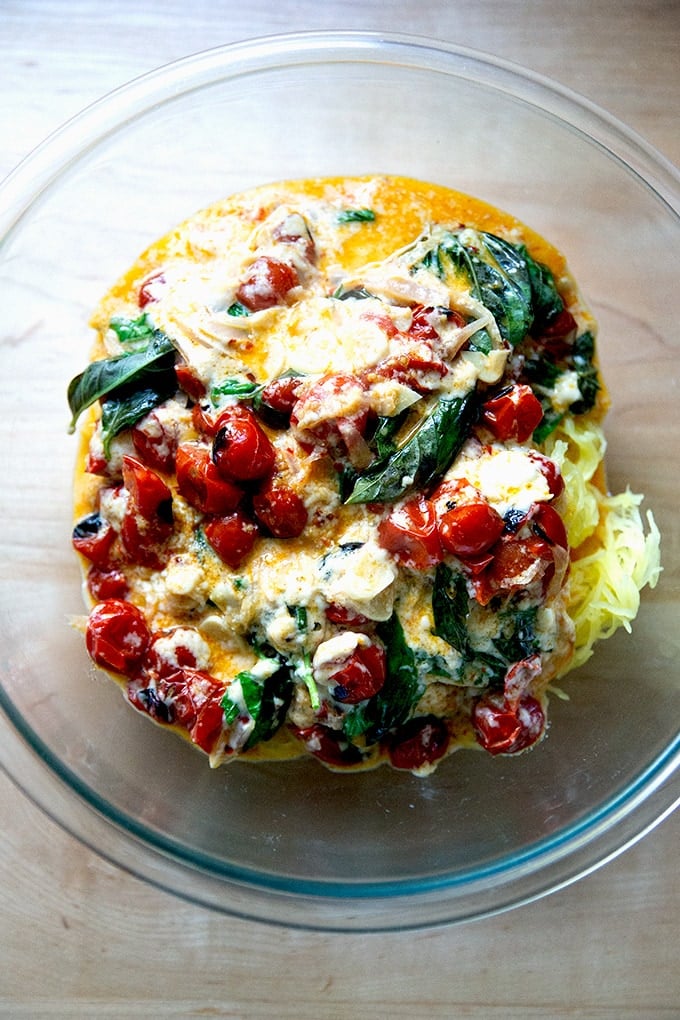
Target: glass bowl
291, 843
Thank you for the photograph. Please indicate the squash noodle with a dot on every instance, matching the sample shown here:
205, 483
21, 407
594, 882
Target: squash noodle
614, 557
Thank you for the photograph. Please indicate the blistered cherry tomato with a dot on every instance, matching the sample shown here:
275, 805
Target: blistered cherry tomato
280, 510
410, 534
266, 284
241, 449
93, 538
188, 381
208, 725
420, 741
513, 414
151, 289
117, 636
517, 564
558, 336
143, 541
232, 536
470, 529
155, 442
361, 676
501, 729
176, 655
150, 497
345, 617
327, 745
106, 583
550, 472
277, 400
548, 524
201, 484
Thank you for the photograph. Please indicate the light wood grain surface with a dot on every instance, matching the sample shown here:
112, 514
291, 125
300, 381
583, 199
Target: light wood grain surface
78, 938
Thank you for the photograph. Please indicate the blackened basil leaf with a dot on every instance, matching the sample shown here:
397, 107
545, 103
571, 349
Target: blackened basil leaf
123, 410
392, 704
582, 359
101, 378
133, 332
518, 640
424, 457
545, 299
450, 608
356, 216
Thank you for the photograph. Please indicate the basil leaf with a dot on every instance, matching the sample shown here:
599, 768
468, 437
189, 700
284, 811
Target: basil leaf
518, 640
582, 359
382, 440
355, 293
234, 388
266, 702
123, 410
238, 310
137, 332
423, 458
450, 608
356, 216
392, 704
545, 299
101, 378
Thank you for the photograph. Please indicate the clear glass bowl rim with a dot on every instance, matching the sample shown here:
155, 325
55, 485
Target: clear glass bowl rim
548, 864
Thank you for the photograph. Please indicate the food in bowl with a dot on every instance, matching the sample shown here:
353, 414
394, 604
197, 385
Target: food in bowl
340, 489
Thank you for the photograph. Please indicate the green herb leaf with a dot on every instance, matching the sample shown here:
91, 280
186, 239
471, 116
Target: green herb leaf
139, 370
392, 704
265, 701
545, 299
423, 458
518, 640
588, 380
123, 410
450, 608
354, 293
356, 216
238, 310
133, 332
234, 388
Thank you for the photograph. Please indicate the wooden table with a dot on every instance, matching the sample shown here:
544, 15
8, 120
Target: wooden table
79, 938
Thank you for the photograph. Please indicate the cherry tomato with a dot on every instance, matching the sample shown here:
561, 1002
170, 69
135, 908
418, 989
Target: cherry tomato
277, 400
151, 289
328, 745
558, 336
280, 510
106, 583
504, 730
155, 442
550, 472
410, 534
548, 524
232, 536
517, 564
241, 450
266, 284
345, 617
421, 327
178, 657
519, 678
188, 381
513, 414
420, 741
117, 636
143, 540
362, 675
413, 368
150, 497
208, 725
93, 538
470, 529
201, 484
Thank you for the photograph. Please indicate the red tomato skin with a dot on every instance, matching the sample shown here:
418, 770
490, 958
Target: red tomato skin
266, 284
345, 617
548, 523
513, 561
208, 725
470, 529
150, 497
154, 443
411, 535
513, 414
420, 741
117, 636
201, 484
281, 394
151, 289
501, 729
232, 536
550, 472
94, 545
190, 383
241, 449
362, 675
106, 583
280, 510
328, 746
143, 541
